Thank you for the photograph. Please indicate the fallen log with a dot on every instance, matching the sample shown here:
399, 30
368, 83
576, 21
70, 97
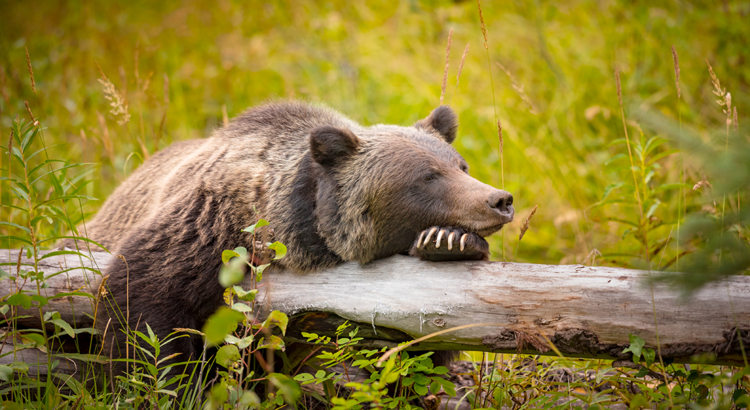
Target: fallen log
577, 310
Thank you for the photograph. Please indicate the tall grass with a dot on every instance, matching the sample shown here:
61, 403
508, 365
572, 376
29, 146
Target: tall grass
558, 142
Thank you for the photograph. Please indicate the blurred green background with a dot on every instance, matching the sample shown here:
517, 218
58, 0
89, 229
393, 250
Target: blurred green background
183, 66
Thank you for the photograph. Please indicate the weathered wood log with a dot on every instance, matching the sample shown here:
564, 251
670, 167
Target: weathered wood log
582, 311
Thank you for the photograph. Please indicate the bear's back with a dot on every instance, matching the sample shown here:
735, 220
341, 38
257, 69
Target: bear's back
255, 154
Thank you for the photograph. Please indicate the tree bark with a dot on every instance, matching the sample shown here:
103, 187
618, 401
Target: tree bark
579, 311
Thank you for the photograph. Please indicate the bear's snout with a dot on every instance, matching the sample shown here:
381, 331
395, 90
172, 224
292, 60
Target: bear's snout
502, 203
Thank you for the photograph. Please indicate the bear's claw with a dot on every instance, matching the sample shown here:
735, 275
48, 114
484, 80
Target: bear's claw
470, 245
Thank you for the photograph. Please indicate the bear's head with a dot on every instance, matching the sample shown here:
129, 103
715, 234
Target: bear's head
378, 187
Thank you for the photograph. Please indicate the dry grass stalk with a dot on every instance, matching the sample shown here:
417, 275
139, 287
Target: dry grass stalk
734, 120
676, 71
147, 82
28, 109
702, 183
116, 100
630, 151
447, 64
592, 255
164, 116
106, 140
481, 20
123, 81
10, 154
166, 90
6, 97
461, 65
224, 115
519, 89
725, 98
500, 135
31, 71
526, 223
501, 145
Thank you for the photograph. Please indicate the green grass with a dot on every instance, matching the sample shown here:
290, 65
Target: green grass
382, 63
181, 67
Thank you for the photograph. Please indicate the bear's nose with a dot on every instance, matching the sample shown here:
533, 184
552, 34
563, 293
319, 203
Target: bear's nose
501, 201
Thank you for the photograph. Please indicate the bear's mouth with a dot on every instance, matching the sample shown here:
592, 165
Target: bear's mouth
489, 230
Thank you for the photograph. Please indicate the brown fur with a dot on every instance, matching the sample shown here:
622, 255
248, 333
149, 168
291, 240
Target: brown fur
332, 190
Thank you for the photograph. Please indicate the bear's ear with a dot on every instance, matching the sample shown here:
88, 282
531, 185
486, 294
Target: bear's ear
443, 120
329, 145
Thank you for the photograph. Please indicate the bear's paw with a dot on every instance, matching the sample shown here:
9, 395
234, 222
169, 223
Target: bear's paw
449, 244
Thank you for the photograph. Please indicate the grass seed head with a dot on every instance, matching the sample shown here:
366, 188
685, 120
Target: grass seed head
526, 223
447, 64
703, 183
676, 71
461, 65
500, 135
28, 109
31, 71
116, 101
725, 98
481, 20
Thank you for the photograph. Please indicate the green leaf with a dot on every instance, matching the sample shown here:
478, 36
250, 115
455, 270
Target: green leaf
227, 355
66, 198
227, 255
259, 271
36, 339
279, 248
272, 342
636, 345
64, 326
20, 299
249, 399
420, 390
447, 385
232, 273
6, 372
288, 388
77, 238
220, 324
276, 318
615, 158
252, 228
16, 226
652, 209
303, 377
39, 218
241, 307
58, 253
649, 355
247, 296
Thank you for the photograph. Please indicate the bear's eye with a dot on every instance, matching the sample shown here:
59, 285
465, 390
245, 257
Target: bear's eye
465, 169
430, 177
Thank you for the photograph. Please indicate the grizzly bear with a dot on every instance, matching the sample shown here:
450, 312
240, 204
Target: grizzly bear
332, 190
